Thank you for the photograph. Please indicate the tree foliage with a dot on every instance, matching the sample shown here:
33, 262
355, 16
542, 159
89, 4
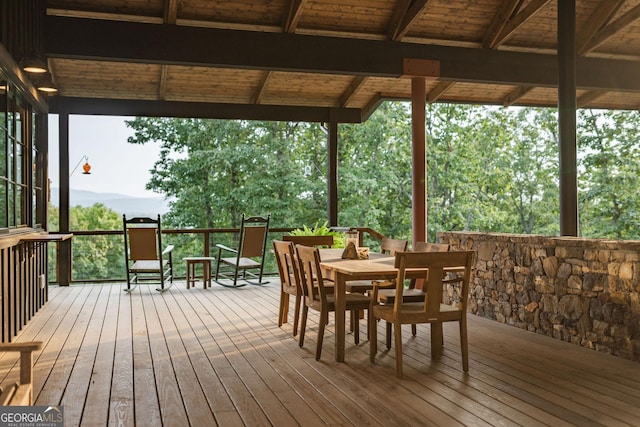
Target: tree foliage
489, 169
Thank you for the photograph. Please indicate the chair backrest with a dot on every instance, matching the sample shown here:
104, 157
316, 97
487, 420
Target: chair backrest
437, 263
142, 238
430, 247
312, 285
324, 241
391, 246
287, 264
253, 236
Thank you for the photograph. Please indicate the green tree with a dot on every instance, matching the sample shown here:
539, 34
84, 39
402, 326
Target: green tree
609, 174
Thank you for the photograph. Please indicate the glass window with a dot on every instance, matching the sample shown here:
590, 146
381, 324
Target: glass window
21, 177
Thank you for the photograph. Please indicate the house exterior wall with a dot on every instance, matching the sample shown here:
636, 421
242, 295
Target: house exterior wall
585, 291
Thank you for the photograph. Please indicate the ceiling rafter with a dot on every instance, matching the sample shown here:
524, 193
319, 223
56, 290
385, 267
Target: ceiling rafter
372, 106
438, 91
257, 99
515, 95
518, 20
356, 84
588, 97
505, 12
170, 17
293, 16
598, 19
405, 14
605, 33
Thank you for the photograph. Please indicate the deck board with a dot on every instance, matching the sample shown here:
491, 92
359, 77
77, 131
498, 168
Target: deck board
217, 357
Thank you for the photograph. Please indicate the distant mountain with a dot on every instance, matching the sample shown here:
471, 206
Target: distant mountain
123, 204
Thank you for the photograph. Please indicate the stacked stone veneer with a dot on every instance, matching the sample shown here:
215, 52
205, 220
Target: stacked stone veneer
585, 291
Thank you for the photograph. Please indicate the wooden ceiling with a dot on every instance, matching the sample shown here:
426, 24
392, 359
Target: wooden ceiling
319, 59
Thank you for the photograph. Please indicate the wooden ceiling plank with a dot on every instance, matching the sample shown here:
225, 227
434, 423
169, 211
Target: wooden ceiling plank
257, 99
505, 11
162, 87
351, 91
170, 11
515, 95
519, 20
598, 19
414, 10
588, 97
438, 91
128, 42
607, 32
293, 16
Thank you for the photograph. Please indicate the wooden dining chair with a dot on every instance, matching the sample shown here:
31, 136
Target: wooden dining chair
289, 281
387, 246
431, 310
325, 241
317, 298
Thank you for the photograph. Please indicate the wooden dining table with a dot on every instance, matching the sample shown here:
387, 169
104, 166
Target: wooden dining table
377, 266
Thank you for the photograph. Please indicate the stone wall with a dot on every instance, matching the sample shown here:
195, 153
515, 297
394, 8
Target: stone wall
585, 291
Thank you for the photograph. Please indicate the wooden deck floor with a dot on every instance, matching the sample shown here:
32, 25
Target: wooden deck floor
216, 357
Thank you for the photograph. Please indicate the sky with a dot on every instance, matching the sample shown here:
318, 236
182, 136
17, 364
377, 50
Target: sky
116, 166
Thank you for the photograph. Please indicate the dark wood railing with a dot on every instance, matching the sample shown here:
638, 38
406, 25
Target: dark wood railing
201, 242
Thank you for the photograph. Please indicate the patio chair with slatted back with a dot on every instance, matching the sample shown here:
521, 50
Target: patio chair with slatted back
147, 262
247, 257
325, 241
289, 281
431, 309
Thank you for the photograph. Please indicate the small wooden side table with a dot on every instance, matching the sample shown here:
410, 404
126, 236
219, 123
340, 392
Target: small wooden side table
192, 262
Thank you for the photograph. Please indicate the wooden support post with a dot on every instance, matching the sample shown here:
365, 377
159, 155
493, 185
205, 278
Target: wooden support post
567, 117
418, 132
64, 248
332, 172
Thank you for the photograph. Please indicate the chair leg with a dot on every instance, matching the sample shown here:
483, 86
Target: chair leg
373, 337
355, 316
284, 308
303, 325
414, 330
398, 345
389, 327
296, 315
321, 325
464, 345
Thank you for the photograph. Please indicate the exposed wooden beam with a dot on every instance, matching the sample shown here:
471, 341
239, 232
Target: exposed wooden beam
372, 106
356, 84
189, 46
293, 16
438, 91
598, 19
396, 18
505, 11
588, 97
257, 99
517, 21
170, 17
604, 34
170, 11
201, 110
515, 95
406, 13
